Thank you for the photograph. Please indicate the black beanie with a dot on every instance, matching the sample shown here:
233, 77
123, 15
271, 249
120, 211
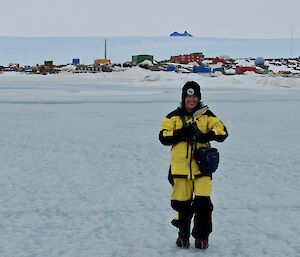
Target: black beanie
191, 88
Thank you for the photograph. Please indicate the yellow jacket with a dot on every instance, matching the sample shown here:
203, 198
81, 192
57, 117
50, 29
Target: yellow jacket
182, 163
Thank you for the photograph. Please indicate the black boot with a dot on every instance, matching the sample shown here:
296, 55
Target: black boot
183, 240
201, 244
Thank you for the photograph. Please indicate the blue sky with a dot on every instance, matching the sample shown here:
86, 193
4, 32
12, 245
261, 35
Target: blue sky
218, 18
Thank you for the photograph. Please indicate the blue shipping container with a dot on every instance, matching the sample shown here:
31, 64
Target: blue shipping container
199, 69
221, 69
76, 61
171, 68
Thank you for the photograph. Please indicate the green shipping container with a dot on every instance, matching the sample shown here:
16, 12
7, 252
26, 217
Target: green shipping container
136, 59
48, 63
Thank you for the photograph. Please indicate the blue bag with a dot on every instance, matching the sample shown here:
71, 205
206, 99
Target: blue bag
207, 159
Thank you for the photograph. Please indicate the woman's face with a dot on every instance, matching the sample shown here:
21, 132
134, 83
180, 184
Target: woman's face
190, 102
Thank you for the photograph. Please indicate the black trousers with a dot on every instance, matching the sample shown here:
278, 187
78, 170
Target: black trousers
201, 208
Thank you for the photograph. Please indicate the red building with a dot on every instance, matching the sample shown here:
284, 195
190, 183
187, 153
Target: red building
242, 69
187, 58
217, 60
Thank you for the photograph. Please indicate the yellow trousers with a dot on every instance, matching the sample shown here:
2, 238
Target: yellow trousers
184, 189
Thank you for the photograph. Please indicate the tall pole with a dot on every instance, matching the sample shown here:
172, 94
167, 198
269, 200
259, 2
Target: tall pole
105, 49
292, 35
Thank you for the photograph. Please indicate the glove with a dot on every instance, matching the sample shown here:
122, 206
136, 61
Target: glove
184, 133
200, 137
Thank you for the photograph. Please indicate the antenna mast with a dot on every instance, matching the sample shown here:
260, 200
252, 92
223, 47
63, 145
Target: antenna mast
292, 35
105, 49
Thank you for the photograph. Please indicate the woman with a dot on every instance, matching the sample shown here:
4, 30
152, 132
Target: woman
189, 127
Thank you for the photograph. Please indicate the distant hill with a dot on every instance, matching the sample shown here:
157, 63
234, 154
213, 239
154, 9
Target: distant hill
177, 34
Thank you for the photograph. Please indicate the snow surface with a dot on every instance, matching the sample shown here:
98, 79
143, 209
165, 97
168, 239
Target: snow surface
83, 172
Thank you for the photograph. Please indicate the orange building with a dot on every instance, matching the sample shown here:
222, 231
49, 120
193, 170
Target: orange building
102, 61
